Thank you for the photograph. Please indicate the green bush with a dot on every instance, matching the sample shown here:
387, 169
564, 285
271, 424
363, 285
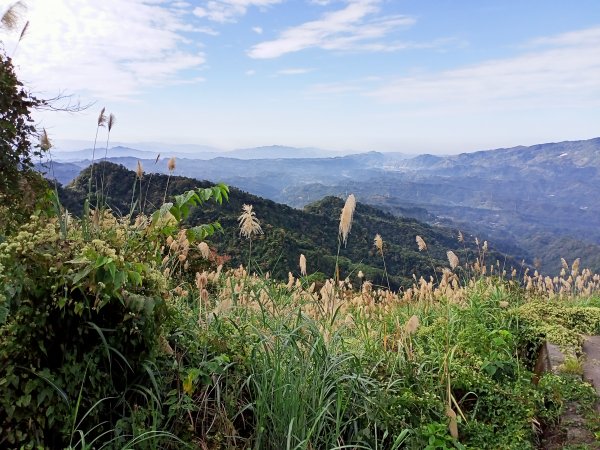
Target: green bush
76, 314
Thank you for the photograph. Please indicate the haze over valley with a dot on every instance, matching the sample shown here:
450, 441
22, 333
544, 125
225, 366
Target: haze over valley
535, 203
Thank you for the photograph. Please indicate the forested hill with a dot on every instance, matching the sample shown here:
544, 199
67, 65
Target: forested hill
288, 232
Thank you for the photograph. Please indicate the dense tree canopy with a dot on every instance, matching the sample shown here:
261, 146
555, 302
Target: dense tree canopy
18, 181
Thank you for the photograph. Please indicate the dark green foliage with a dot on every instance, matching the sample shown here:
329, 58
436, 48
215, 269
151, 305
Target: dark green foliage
288, 232
19, 183
78, 315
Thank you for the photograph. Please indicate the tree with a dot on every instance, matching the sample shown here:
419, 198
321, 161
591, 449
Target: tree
18, 180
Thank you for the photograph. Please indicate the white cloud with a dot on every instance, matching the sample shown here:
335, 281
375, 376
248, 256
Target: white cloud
223, 11
104, 49
294, 71
250, 72
257, 30
180, 4
347, 29
564, 71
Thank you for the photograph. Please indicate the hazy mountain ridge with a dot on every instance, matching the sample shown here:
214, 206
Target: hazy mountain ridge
519, 197
288, 232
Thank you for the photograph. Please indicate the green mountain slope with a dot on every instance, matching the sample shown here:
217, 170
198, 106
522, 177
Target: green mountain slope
288, 232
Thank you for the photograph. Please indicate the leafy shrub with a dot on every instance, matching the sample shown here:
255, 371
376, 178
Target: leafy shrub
80, 318
74, 313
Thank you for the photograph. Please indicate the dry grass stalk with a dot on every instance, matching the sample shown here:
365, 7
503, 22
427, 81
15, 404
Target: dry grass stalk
453, 425
102, 117
302, 264
111, 121
10, 18
139, 171
204, 250
45, 143
378, 242
452, 259
421, 243
346, 217
412, 325
249, 224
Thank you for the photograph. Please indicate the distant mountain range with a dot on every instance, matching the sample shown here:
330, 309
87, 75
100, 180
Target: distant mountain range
179, 151
538, 201
288, 232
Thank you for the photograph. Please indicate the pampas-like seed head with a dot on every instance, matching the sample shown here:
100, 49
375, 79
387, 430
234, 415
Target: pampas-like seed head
412, 325
346, 217
453, 425
249, 224
45, 143
485, 246
302, 265
452, 259
378, 242
204, 249
171, 164
564, 263
140, 170
575, 266
111, 121
421, 243
461, 238
102, 118
360, 274
10, 18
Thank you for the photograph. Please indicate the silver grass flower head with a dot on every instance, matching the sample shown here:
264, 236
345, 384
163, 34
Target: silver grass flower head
140, 170
452, 259
485, 246
453, 425
171, 164
346, 217
11, 17
575, 266
111, 121
564, 264
302, 264
461, 238
421, 243
360, 274
412, 325
204, 249
45, 143
249, 224
378, 242
102, 118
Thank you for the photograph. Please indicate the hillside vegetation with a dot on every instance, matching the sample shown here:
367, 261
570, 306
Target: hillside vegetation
290, 232
124, 331
520, 198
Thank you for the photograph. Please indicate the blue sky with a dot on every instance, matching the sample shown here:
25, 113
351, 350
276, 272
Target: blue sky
414, 76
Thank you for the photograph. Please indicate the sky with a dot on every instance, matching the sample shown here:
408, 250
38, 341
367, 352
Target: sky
415, 76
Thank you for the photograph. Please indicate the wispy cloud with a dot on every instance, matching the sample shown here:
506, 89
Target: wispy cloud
257, 30
356, 27
223, 11
104, 49
294, 71
563, 70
